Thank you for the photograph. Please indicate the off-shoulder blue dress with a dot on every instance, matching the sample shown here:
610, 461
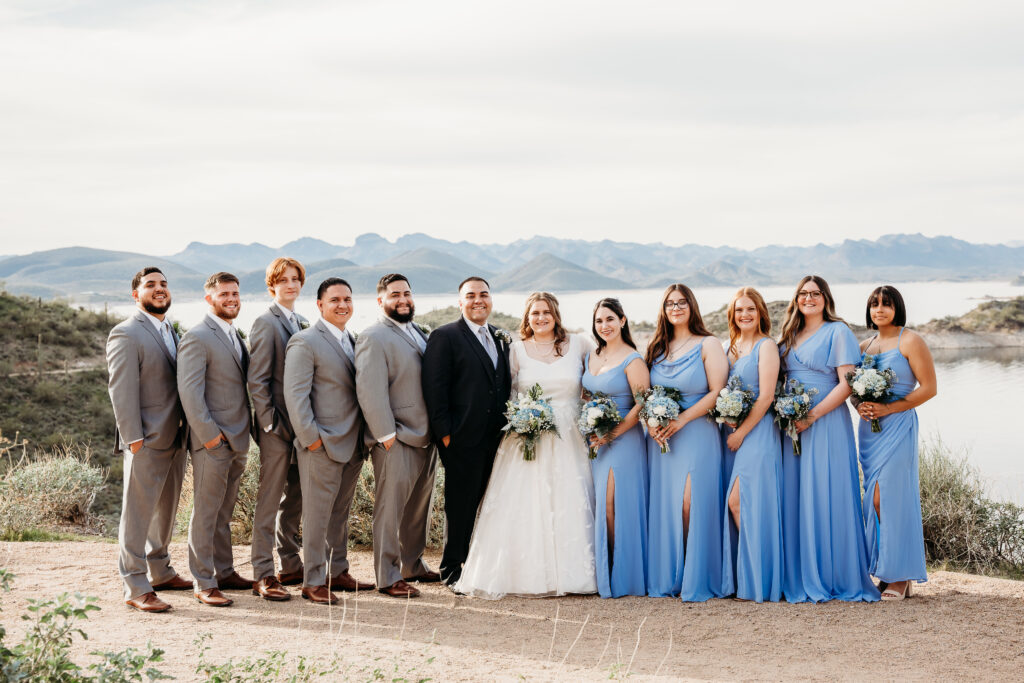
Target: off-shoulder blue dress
694, 574
823, 531
752, 556
621, 572
889, 460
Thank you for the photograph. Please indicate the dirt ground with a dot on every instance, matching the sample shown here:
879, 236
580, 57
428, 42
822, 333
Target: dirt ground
957, 626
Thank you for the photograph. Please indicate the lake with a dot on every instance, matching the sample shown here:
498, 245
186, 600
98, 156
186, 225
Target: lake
971, 382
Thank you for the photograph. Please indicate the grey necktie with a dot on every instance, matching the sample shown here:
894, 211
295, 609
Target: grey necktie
165, 331
233, 335
293, 323
422, 345
346, 346
488, 343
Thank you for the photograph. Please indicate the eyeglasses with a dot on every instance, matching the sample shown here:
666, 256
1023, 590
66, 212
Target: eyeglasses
681, 305
813, 295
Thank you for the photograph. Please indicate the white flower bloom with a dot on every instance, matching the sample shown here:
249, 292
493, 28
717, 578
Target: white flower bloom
660, 411
652, 422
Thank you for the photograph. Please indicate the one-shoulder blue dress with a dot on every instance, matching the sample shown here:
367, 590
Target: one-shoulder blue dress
752, 556
623, 572
826, 556
889, 460
694, 574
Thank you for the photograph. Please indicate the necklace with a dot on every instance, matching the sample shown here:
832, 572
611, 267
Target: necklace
674, 350
550, 343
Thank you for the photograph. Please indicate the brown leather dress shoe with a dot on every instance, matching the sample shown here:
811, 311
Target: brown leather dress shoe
319, 595
346, 582
269, 588
213, 597
400, 589
174, 584
234, 582
148, 602
428, 577
290, 578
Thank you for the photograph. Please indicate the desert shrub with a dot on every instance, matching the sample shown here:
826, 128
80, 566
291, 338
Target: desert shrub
436, 318
963, 526
274, 666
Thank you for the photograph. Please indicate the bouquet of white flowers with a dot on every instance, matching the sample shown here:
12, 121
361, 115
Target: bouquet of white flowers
792, 403
529, 416
598, 417
658, 407
871, 384
733, 403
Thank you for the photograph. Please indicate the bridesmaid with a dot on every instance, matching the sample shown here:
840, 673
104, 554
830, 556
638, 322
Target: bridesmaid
684, 549
752, 528
616, 370
825, 553
889, 458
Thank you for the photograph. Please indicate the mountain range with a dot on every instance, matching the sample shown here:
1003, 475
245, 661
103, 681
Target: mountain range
435, 265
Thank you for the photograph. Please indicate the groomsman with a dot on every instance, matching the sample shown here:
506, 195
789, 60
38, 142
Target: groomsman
151, 434
389, 356
466, 382
212, 365
320, 391
279, 499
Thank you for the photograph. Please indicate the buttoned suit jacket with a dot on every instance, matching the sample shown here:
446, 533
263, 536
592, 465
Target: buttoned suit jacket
143, 386
389, 383
268, 340
212, 386
320, 390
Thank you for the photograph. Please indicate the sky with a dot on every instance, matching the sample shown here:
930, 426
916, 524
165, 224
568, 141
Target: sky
143, 125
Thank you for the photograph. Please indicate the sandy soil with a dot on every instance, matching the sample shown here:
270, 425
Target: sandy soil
957, 626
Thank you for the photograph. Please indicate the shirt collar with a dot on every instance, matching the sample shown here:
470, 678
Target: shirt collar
340, 335
286, 313
157, 323
226, 326
474, 328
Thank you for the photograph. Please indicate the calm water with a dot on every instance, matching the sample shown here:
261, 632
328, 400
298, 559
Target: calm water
960, 419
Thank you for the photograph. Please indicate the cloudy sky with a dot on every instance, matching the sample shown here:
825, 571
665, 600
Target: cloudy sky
144, 125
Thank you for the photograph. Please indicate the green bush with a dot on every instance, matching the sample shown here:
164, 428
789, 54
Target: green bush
963, 527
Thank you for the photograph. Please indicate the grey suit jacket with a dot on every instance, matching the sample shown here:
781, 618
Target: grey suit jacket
388, 368
211, 383
320, 390
268, 339
143, 386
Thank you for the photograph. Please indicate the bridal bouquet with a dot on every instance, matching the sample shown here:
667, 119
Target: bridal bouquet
792, 403
658, 407
529, 416
733, 403
598, 417
871, 384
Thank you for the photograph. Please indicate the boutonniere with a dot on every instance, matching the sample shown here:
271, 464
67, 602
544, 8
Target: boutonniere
241, 333
502, 336
303, 325
355, 336
424, 329
178, 329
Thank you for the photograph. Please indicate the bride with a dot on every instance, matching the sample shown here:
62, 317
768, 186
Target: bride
534, 534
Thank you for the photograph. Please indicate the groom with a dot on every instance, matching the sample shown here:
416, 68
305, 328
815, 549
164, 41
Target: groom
466, 381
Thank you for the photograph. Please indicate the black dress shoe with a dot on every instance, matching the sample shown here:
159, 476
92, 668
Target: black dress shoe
427, 577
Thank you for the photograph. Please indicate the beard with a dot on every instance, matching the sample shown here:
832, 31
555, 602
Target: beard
156, 309
400, 317
224, 314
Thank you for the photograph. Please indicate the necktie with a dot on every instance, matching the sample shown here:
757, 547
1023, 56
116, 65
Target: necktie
346, 346
293, 323
488, 343
168, 339
420, 344
236, 343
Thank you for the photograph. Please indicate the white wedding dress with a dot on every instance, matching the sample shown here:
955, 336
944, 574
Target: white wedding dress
534, 531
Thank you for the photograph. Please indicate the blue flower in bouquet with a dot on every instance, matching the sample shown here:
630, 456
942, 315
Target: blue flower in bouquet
658, 407
868, 383
598, 417
733, 403
792, 404
529, 415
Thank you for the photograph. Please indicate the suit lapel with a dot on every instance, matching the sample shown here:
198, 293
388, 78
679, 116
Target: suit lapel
332, 341
478, 348
282, 322
219, 333
402, 333
148, 325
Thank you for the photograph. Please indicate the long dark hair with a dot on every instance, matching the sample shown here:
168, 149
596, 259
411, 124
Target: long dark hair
887, 295
663, 331
525, 331
795, 319
613, 305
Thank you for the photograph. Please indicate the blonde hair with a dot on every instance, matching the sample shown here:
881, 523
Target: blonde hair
275, 271
764, 323
526, 332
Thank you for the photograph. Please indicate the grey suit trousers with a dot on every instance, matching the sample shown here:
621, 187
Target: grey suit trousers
401, 510
328, 488
216, 474
152, 485
278, 507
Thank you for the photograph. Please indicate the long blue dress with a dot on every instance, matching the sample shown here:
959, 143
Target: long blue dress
696, 452
752, 557
889, 459
626, 459
826, 557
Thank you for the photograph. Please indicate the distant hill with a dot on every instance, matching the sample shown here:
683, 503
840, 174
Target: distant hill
990, 316
549, 272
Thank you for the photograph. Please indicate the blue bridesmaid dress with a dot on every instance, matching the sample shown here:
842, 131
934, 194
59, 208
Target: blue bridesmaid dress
696, 452
625, 459
889, 459
752, 557
823, 530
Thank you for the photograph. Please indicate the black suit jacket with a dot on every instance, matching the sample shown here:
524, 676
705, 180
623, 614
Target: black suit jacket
465, 393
